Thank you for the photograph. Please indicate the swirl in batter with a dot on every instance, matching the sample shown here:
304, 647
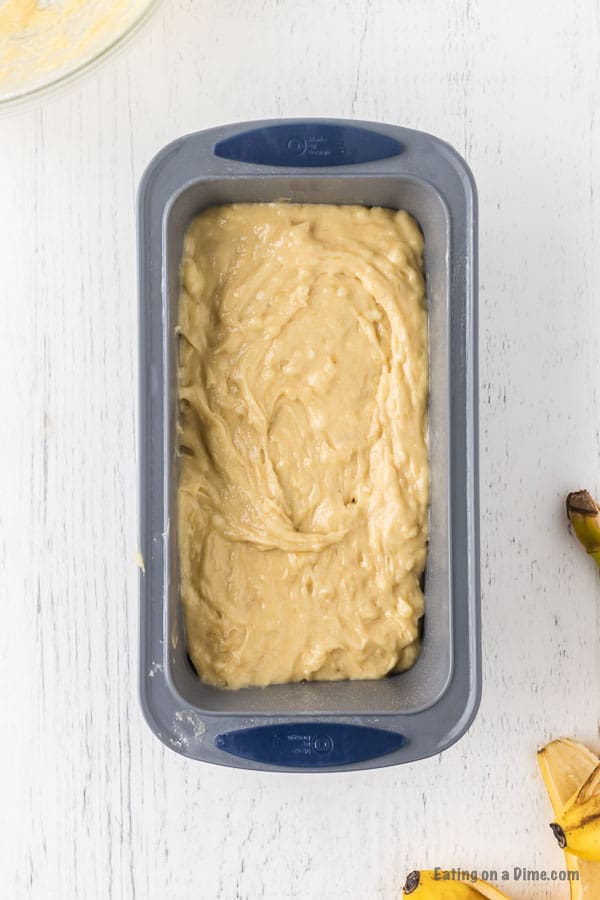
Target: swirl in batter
304, 477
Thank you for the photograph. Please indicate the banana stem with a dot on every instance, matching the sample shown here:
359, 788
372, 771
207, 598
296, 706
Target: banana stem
584, 516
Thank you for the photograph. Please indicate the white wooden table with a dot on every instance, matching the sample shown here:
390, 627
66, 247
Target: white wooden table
92, 806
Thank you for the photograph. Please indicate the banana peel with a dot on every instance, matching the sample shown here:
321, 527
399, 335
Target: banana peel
423, 885
566, 766
577, 826
571, 773
584, 515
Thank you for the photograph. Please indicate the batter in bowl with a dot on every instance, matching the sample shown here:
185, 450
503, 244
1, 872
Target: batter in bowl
44, 40
304, 477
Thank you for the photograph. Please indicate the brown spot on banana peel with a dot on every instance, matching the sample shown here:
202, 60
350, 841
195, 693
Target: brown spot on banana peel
583, 503
586, 820
559, 835
411, 883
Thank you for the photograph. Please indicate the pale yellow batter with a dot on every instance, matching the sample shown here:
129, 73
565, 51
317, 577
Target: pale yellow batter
43, 40
304, 479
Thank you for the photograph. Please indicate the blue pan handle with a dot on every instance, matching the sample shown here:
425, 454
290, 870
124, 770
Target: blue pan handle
310, 744
307, 144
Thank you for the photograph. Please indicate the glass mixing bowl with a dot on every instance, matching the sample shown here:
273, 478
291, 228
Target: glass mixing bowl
45, 43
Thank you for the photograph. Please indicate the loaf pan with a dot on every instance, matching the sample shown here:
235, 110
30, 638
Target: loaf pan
317, 726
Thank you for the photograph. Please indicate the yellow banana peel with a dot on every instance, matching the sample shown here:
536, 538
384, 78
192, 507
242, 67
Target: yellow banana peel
427, 885
566, 766
577, 826
571, 773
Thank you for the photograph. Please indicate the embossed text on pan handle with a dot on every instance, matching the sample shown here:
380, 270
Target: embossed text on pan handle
308, 144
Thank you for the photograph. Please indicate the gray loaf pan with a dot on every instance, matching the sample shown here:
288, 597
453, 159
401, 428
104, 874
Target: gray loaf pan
317, 726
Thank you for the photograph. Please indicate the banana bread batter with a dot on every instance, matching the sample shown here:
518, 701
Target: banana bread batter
41, 40
304, 477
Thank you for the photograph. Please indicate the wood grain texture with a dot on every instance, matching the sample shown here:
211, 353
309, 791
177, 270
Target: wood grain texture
92, 805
